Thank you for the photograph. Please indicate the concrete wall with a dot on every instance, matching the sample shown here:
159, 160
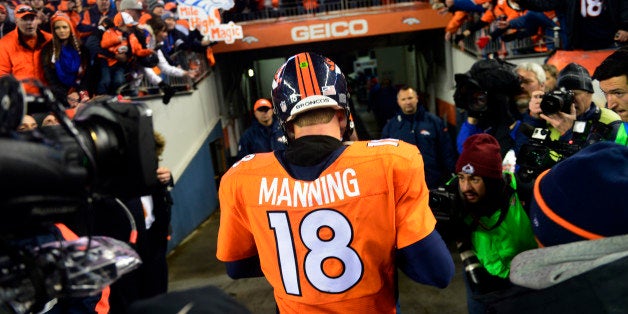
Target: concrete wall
189, 124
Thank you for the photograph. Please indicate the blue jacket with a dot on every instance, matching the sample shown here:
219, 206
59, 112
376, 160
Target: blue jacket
508, 139
260, 139
429, 134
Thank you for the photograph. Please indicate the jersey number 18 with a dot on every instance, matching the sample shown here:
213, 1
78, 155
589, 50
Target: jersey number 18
319, 250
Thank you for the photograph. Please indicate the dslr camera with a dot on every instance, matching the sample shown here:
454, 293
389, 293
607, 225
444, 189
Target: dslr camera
557, 100
54, 173
443, 203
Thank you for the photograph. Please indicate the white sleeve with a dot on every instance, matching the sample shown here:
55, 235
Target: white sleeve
166, 68
152, 77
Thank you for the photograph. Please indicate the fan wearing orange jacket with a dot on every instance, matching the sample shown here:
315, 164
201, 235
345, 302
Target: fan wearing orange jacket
124, 45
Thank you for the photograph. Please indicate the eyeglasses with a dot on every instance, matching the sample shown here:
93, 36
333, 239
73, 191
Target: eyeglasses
615, 93
72, 99
25, 10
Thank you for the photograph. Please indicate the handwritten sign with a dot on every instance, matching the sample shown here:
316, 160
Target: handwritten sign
204, 15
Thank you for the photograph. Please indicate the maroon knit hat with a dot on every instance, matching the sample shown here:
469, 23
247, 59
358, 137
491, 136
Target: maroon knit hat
480, 156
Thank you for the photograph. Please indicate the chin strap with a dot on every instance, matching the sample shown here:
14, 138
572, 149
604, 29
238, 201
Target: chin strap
350, 127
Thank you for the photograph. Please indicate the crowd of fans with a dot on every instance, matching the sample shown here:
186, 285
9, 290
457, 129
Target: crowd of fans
97, 47
547, 25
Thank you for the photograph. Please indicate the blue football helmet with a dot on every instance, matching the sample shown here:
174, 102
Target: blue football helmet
309, 81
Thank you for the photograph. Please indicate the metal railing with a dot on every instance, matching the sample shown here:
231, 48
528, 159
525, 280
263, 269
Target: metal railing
512, 49
139, 87
295, 8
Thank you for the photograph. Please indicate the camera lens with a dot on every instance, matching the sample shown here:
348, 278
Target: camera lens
479, 101
551, 104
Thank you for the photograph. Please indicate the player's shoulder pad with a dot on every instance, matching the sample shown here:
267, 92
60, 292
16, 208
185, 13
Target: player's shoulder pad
251, 162
387, 146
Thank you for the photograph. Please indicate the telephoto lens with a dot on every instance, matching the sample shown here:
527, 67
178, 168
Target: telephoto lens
470, 263
479, 279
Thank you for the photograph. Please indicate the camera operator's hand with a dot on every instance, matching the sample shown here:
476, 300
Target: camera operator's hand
164, 175
535, 104
561, 121
621, 36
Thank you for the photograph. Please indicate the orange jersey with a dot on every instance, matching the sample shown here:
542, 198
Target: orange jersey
327, 245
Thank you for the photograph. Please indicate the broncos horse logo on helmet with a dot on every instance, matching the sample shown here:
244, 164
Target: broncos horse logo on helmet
309, 81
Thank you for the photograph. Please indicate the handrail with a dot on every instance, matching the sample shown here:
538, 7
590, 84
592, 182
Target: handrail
141, 88
518, 48
296, 8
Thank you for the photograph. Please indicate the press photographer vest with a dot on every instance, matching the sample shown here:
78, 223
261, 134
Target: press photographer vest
622, 135
598, 128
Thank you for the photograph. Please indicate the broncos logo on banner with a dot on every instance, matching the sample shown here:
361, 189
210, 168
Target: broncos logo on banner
209, 5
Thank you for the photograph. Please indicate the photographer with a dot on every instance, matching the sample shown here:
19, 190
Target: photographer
570, 115
579, 214
497, 227
487, 93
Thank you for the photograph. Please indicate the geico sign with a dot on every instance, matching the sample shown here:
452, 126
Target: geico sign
329, 30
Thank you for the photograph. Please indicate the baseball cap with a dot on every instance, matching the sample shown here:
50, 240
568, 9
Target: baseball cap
124, 18
262, 103
23, 10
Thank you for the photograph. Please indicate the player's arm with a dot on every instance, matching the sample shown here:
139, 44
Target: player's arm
244, 268
421, 252
427, 261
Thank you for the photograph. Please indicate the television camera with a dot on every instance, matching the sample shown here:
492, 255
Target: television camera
52, 173
541, 153
444, 203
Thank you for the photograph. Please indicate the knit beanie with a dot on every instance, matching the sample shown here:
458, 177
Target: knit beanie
583, 197
60, 16
155, 4
480, 156
575, 76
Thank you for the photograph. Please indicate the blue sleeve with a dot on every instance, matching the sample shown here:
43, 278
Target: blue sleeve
245, 268
386, 129
244, 145
427, 261
466, 130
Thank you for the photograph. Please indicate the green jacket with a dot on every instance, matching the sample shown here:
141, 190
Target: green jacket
497, 247
622, 135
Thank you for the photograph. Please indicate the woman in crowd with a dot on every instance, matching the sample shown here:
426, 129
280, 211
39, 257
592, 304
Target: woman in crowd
64, 58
